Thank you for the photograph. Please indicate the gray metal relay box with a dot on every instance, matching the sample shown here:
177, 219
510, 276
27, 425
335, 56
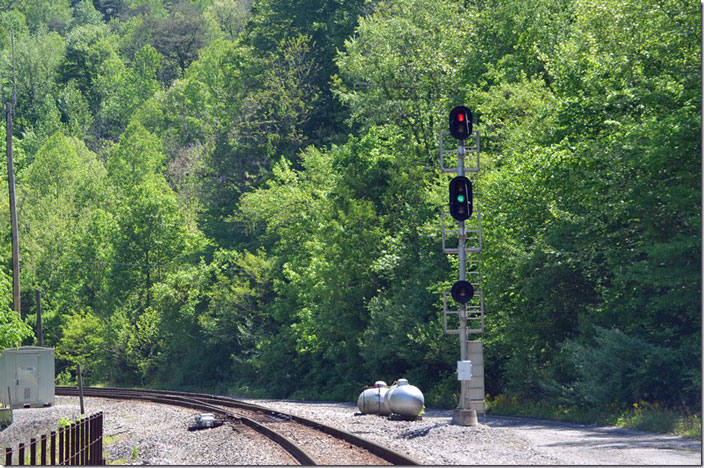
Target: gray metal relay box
29, 373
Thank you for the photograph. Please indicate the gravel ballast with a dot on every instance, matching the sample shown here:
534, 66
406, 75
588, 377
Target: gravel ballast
434, 440
159, 433
149, 433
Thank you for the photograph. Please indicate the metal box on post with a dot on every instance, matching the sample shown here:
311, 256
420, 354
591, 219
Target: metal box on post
29, 373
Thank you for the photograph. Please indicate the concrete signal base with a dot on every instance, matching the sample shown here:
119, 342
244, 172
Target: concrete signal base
465, 417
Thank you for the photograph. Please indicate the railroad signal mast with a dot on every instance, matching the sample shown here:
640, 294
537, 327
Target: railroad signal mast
470, 367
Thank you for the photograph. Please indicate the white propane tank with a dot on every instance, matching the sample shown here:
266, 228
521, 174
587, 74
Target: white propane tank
387, 397
371, 400
404, 399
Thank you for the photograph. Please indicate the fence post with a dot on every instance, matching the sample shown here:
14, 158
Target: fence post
20, 454
87, 457
60, 461
52, 448
89, 442
33, 452
74, 445
67, 444
42, 457
77, 452
79, 442
8, 456
77, 448
101, 460
84, 440
93, 440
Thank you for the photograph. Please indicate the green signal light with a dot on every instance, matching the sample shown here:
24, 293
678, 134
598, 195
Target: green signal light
460, 198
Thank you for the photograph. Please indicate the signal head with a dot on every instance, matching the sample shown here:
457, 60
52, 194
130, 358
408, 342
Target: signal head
462, 291
461, 122
460, 198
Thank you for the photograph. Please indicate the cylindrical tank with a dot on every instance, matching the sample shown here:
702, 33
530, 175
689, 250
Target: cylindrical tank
387, 396
371, 400
404, 399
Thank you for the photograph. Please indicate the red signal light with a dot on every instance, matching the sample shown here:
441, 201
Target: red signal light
461, 122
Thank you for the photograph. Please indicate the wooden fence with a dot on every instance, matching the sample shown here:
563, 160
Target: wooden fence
81, 443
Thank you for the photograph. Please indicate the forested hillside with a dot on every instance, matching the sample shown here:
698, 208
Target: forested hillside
245, 196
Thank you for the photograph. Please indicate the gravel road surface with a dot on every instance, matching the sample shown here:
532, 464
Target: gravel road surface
594, 445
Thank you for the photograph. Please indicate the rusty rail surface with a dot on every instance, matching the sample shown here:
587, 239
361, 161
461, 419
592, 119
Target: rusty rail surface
80, 443
169, 398
208, 402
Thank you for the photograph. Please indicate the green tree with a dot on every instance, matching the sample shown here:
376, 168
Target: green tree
177, 37
237, 318
75, 111
83, 342
327, 24
151, 237
37, 60
594, 193
84, 12
231, 16
56, 195
56, 15
136, 157
403, 66
12, 329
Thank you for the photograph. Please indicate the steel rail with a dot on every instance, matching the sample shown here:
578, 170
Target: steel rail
300, 455
380, 451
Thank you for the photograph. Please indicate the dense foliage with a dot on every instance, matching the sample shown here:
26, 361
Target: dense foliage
245, 196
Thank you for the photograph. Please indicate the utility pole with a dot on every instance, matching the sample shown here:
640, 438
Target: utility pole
470, 367
40, 337
13, 213
11, 184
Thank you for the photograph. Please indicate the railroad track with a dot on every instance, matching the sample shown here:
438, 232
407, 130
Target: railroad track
329, 446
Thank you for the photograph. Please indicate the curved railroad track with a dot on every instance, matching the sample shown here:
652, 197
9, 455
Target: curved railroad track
325, 445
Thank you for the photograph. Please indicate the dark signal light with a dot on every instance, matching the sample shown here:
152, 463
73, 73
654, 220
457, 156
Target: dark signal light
462, 291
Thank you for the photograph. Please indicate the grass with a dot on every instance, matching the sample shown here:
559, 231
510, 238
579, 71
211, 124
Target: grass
63, 422
111, 439
652, 418
120, 461
644, 416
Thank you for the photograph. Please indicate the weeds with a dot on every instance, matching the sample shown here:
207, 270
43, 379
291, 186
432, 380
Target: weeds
652, 417
644, 416
64, 422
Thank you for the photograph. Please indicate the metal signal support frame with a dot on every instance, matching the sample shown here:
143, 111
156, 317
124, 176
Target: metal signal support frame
471, 230
472, 391
474, 313
444, 152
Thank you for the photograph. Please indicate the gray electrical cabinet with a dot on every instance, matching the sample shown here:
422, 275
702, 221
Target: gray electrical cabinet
28, 372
